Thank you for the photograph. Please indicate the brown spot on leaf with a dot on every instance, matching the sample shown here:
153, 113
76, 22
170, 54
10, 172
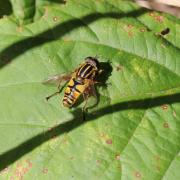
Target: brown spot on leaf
18, 174
159, 18
157, 158
130, 26
174, 114
29, 163
166, 125
130, 34
158, 168
128, 29
117, 157
98, 162
151, 14
19, 164
22, 169
50, 129
19, 29
109, 141
54, 137
163, 46
119, 68
55, 18
142, 30
12, 178
5, 170
157, 163
164, 107
71, 158
45, 170
137, 174
102, 134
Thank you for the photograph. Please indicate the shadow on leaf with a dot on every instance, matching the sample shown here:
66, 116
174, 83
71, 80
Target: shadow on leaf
5, 8
14, 154
20, 47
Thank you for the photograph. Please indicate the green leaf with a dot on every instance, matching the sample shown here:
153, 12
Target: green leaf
23, 10
41, 6
133, 132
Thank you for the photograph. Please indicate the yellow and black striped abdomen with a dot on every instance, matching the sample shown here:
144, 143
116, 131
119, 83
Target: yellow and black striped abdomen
74, 89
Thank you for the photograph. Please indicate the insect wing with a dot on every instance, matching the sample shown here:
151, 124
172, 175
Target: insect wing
90, 91
57, 79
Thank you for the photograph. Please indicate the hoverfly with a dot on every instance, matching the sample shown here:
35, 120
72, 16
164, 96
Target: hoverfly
81, 82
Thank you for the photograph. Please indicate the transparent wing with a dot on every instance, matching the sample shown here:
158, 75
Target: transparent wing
58, 78
90, 91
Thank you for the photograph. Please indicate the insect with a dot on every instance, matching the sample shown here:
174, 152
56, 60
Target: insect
81, 82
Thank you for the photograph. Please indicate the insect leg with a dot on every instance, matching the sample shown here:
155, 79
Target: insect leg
93, 91
89, 91
48, 97
85, 97
58, 79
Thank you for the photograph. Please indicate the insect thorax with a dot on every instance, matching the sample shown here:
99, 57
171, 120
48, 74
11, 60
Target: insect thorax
87, 71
